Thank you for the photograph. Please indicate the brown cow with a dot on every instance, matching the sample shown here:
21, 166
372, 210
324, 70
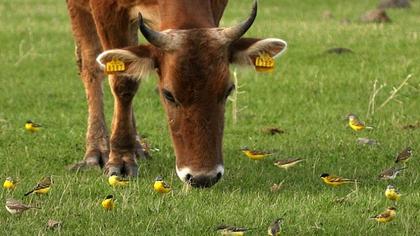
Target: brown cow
191, 56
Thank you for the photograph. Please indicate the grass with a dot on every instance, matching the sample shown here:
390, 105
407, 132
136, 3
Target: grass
307, 95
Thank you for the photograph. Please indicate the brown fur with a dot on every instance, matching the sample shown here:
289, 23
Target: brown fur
99, 25
199, 83
195, 72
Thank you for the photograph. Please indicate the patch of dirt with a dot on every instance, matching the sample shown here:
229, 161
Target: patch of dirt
273, 130
339, 51
384, 4
327, 15
375, 16
411, 126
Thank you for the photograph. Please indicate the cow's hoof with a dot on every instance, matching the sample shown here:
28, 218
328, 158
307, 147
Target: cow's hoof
88, 163
97, 157
113, 168
131, 169
81, 165
123, 164
130, 165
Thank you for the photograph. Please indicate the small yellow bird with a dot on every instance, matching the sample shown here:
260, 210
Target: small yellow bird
161, 186
356, 124
404, 155
335, 180
388, 215
275, 227
42, 187
256, 154
15, 207
287, 163
116, 181
32, 126
392, 193
231, 230
109, 202
9, 183
390, 173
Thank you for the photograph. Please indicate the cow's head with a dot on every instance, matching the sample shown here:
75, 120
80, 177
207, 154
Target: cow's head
193, 70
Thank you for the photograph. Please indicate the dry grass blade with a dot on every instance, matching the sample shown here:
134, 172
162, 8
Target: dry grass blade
234, 98
375, 91
395, 91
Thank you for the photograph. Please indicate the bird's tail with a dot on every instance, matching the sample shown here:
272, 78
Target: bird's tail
401, 168
26, 194
350, 180
369, 127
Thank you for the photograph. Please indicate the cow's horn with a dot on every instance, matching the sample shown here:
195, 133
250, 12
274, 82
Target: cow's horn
158, 39
235, 32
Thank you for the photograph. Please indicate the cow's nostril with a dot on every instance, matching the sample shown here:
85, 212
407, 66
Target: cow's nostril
188, 177
204, 181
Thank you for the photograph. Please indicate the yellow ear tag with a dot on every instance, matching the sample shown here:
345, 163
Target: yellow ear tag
264, 63
114, 66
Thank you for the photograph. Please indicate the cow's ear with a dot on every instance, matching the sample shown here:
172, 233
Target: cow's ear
246, 50
138, 61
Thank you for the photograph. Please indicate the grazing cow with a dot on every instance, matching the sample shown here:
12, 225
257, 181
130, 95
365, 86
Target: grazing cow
191, 56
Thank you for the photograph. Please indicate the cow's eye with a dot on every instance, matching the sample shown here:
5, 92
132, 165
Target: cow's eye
168, 96
230, 90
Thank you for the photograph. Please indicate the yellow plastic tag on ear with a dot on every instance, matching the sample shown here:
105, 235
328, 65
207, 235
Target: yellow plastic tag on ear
114, 66
264, 63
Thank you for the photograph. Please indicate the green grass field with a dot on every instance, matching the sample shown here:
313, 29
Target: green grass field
308, 95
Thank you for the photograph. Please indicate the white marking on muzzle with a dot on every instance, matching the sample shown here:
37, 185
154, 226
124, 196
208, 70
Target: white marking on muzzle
183, 172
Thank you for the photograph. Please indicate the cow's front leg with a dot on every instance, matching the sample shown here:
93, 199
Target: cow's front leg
88, 47
123, 142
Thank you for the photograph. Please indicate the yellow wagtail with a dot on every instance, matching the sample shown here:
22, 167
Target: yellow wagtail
287, 163
161, 186
404, 155
335, 180
108, 203
15, 207
275, 227
231, 230
32, 126
392, 193
9, 183
356, 124
390, 173
256, 154
42, 187
386, 216
116, 181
